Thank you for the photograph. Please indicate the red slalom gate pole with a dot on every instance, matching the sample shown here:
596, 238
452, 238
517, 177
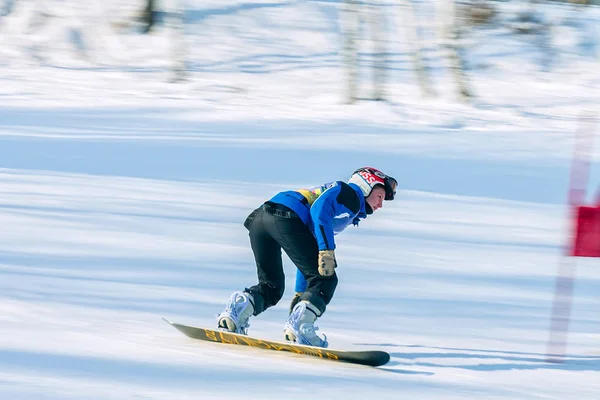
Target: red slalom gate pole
563, 291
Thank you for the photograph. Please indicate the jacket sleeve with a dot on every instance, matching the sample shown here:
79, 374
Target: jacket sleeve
338, 199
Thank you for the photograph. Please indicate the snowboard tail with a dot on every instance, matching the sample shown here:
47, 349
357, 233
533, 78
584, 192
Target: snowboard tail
372, 358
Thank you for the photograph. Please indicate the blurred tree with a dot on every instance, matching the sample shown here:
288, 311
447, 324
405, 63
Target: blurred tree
411, 24
350, 25
148, 17
480, 12
353, 12
450, 31
7, 7
580, 2
176, 24
378, 38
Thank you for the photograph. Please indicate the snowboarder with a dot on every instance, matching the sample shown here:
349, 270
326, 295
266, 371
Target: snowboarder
303, 223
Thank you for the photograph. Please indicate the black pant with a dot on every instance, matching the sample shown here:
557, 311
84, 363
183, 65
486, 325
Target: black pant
274, 227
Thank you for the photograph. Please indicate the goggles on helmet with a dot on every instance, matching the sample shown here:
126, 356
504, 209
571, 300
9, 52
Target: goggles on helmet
374, 177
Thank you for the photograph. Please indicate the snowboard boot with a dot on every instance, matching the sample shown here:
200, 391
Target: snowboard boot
300, 327
237, 313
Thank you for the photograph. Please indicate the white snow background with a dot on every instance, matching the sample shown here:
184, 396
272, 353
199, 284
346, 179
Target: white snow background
122, 197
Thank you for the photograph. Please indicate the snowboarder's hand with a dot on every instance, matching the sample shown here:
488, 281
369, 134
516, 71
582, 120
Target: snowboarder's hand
327, 263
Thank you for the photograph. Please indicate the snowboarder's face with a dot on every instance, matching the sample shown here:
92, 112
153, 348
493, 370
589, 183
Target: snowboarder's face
375, 199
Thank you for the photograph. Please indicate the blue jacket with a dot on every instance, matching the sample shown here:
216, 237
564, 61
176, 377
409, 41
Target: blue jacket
326, 209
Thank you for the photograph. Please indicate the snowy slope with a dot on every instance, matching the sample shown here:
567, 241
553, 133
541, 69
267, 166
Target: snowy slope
122, 196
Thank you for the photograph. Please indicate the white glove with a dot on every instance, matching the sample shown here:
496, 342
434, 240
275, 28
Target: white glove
327, 263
